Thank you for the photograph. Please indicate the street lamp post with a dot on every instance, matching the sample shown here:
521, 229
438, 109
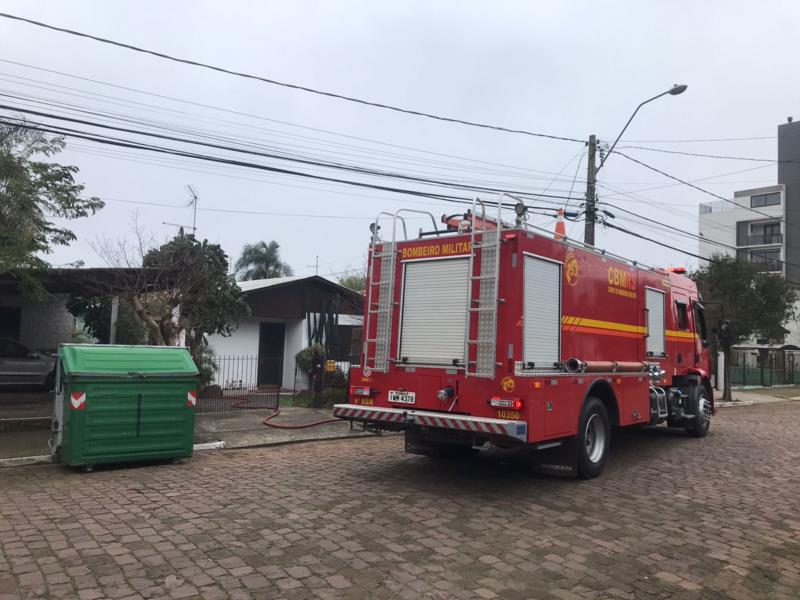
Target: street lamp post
591, 179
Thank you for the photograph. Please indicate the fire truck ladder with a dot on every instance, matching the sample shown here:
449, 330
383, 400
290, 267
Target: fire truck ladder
485, 251
381, 303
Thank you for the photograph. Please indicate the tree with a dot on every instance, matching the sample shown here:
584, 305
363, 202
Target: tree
355, 281
756, 304
180, 289
261, 261
96, 314
200, 297
32, 193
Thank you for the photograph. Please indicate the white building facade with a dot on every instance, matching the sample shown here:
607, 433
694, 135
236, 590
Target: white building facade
284, 312
736, 230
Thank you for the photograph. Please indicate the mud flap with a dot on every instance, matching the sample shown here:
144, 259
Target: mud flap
561, 460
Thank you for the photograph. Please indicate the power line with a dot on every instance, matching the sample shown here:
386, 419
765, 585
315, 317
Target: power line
293, 86
333, 165
732, 139
720, 156
705, 191
643, 237
245, 114
213, 136
241, 212
163, 150
215, 159
703, 179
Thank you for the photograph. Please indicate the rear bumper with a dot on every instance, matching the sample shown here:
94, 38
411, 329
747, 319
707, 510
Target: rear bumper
517, 430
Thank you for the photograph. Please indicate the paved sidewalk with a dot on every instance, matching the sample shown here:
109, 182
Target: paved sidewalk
751, 397
247, 429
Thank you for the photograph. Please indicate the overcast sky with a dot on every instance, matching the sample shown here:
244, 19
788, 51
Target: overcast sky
563, 68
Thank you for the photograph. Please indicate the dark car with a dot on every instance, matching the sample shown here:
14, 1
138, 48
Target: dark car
21, 366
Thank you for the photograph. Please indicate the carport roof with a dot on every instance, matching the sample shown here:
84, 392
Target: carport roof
293, 297
95, 280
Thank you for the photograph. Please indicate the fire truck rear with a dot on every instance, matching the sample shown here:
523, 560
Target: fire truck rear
491, 334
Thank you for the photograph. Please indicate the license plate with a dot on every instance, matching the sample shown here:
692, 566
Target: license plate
402, 397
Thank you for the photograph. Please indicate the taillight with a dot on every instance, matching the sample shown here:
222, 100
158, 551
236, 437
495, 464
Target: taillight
360, 390
509, 403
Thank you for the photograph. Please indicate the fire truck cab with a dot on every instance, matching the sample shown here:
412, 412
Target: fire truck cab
489, 333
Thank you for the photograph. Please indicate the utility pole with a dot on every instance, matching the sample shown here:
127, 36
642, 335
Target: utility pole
591, 193
315, 265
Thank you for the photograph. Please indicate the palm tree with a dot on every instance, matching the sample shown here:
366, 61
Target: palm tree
261, 261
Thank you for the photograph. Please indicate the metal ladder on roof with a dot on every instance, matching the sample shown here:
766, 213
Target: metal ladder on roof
381, 292
485, 252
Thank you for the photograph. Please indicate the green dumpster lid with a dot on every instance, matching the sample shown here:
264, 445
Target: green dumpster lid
104, 360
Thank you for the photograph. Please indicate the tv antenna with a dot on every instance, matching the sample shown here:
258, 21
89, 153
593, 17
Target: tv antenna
194, 197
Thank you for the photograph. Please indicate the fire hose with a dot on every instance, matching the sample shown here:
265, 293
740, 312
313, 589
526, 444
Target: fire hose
243, 402
298, 425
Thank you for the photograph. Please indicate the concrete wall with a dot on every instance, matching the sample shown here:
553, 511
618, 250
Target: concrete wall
789, 175
44, 324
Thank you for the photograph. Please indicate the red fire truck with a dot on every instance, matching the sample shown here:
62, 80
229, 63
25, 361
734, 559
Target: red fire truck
493, 334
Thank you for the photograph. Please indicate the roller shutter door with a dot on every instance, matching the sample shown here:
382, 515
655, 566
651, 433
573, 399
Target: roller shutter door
434, 311
542, 313
655, 322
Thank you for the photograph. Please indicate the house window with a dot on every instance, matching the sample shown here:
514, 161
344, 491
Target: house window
683, 317
765, 200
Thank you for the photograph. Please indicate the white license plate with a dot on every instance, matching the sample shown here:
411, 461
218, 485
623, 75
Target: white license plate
402, 397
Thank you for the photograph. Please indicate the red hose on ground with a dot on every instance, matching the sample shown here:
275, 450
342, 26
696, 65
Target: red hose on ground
299, 425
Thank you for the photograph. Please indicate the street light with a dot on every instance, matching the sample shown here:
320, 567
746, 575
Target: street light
591, 179
673, 91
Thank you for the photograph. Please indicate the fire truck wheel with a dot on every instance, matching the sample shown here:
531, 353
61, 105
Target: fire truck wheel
594, 437
700, 405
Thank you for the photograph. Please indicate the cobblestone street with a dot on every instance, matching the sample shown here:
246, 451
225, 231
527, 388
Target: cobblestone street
672, 517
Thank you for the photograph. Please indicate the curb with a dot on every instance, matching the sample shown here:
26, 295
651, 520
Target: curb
24, 461
209, 446
46, 459
732, 404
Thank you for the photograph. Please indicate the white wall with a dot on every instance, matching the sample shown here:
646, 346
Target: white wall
719, 225
244, 342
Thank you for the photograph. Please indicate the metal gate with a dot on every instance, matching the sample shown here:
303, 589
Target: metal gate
235, 386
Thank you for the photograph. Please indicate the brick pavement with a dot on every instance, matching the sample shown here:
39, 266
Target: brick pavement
672, 517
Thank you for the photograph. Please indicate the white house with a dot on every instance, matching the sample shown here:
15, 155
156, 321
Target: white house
285, 313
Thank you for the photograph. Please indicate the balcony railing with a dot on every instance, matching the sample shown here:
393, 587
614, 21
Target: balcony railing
764, 239
767, 266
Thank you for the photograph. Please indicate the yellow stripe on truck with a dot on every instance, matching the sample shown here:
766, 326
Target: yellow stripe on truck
611, 325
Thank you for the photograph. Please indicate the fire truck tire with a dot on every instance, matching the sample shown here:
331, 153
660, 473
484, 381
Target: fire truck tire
594, 438
701, 407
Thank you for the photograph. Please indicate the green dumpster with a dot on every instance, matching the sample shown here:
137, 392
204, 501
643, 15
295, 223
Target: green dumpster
124, 403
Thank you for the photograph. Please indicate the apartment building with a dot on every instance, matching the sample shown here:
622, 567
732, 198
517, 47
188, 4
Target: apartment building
754, 227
